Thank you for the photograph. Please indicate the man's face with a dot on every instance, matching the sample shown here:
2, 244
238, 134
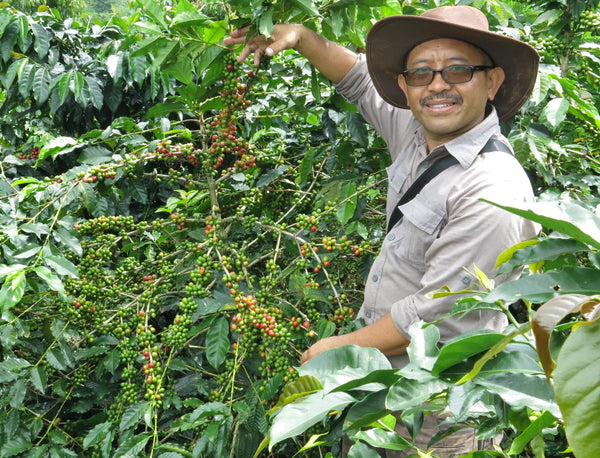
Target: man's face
448, 110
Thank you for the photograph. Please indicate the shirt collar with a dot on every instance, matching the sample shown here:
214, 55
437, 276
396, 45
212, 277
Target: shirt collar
465, 147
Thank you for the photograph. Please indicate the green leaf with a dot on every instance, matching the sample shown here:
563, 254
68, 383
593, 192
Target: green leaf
344, 364
41, 86
295, 418
535, 251
464, 346
543, 287
303, 386
39, 379
533, 430
26, 73
379, 438
522, 390
577, 387
217, 342
12, 290
57, 359
306, 6
64, 87
358, 129
111, 361
15, 446
133, 446
265, 23
58, 263
362, 450
133, 415
407, 393
17, 392
11, 368
345, 211
95, 92
565, 217
555, 111
267, 177
156, 12
306, 166
96, 434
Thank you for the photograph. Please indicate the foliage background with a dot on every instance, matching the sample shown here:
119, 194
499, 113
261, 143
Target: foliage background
173, 237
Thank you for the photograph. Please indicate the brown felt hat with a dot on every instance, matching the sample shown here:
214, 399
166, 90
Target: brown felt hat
391, 39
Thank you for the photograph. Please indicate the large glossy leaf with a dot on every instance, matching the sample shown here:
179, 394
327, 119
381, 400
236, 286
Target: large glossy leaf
407, 393
533, 430
374, 380
577, 386
493, 351
367, 410
536, 251
344, 364
299, 388
42, 39
522, 390
307, 6
41, 85
379, 438
555, 111
543, 287
565, 217
96, 434
463, 347
297, 417
217, 342
155, 10
347, 206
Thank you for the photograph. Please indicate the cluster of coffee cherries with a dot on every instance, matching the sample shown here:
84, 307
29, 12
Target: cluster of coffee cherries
548, 44
32, 155
590, 21
222, 130
265, 331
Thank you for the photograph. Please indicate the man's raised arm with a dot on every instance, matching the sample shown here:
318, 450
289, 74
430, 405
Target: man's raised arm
331, 59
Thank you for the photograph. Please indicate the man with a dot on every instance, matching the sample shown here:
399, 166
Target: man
432, 85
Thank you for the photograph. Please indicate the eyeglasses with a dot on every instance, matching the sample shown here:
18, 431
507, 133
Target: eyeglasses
453, 74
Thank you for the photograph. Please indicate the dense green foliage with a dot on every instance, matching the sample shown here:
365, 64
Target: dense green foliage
177, 228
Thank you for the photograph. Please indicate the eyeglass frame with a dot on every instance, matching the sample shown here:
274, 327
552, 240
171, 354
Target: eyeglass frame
473, 68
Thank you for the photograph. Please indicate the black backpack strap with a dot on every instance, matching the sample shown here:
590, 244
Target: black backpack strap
437, 167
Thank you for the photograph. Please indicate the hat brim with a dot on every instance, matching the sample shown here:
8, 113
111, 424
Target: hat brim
392, 38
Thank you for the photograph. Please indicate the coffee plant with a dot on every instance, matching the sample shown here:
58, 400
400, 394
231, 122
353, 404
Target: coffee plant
177, 228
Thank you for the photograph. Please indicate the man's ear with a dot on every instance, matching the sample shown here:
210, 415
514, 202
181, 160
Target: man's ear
403, 86
496, 77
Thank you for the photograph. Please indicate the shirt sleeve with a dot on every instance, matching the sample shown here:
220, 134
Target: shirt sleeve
392, 123
474, 234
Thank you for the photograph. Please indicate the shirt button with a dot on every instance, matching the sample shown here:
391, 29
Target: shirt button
375, 277
425, 164
466, 280
391, 237
368, 314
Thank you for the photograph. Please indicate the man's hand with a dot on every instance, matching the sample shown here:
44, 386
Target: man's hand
382, 335
284, 36
332, 60
321, 345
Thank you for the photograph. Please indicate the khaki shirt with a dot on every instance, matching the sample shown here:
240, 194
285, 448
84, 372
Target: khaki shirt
445, 228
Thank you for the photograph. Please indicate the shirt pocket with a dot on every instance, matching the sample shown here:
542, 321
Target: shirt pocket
422, 224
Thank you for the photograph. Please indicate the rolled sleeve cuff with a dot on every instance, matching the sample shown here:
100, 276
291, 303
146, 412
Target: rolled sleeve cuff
404, 314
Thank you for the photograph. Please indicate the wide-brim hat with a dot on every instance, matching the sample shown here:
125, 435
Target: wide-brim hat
391, 39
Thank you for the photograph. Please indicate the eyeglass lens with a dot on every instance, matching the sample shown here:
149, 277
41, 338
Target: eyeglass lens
453, 74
